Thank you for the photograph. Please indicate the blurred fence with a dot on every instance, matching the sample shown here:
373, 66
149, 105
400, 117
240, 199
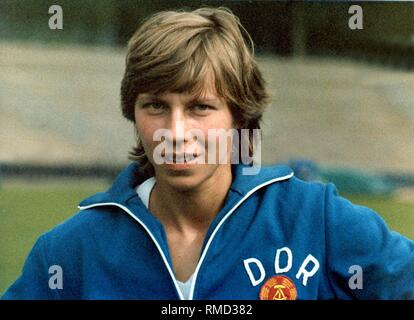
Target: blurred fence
351, 180
29, 171
347, 180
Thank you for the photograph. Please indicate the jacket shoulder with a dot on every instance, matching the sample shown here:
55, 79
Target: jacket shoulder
84, 225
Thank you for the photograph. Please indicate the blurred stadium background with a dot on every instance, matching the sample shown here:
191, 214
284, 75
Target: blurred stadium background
342, 108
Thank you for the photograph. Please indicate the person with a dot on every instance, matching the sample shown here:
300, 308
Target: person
175, 226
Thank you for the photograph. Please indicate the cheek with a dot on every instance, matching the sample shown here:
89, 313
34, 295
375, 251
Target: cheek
228, 120
145, 131
222, 120
220, 143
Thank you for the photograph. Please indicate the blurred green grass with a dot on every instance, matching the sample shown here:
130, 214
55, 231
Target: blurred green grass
27, 211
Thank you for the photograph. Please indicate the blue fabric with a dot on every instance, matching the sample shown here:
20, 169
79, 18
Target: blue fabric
105, 253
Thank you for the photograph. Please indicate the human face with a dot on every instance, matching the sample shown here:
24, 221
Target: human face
168, 111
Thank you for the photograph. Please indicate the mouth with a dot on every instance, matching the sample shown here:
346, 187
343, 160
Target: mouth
182, 158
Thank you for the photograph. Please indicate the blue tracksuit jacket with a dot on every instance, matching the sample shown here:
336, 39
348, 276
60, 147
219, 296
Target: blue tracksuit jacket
272, 224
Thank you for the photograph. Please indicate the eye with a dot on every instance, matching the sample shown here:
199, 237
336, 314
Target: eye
202, 108
154, 107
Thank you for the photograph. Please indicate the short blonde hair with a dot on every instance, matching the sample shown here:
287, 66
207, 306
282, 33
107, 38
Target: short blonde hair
177, 50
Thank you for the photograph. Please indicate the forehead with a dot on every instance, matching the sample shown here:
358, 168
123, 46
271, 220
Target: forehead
205, 91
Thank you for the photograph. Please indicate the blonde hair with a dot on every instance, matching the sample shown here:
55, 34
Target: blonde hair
176, 51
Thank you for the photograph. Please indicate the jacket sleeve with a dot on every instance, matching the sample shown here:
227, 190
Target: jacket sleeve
33, 283
359, 246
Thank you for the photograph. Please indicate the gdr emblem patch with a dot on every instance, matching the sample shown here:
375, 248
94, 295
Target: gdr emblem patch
278, 288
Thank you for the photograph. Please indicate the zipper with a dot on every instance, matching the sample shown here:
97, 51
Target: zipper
164, 258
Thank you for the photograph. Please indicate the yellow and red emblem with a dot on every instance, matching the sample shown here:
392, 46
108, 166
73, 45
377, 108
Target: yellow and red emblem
278, 288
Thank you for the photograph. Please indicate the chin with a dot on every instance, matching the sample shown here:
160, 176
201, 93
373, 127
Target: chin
185, 179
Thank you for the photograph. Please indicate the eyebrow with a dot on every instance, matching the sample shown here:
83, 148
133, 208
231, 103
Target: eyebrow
193, 100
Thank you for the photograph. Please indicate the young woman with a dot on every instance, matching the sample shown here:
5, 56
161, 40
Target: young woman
186, 219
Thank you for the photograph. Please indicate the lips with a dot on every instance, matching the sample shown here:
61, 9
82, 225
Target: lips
180, 158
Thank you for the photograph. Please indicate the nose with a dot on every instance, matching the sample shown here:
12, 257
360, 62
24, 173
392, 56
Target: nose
177, 127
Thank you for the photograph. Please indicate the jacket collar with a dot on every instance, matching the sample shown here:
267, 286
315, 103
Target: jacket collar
244, 183
123, 188
125, 183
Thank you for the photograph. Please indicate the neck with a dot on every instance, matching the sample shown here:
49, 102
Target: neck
192, 209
